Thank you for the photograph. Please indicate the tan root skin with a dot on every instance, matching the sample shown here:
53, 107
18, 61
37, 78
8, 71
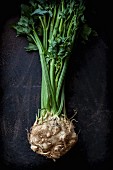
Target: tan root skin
53, 137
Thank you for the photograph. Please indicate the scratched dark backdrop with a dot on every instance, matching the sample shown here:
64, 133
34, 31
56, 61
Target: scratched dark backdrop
89, 89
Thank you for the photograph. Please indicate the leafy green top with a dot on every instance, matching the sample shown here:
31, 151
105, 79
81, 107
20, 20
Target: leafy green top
52, 28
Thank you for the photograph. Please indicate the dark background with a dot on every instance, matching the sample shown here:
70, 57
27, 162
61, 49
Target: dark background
89, 89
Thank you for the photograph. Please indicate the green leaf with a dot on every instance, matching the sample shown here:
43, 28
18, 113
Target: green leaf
31, 47
21, 30
24, 21
86, 31
41, 12
23, 27
25, 10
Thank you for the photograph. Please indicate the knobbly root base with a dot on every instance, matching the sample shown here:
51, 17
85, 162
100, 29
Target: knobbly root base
52, 137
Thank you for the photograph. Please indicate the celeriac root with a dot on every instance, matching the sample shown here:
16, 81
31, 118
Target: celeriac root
52, 137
